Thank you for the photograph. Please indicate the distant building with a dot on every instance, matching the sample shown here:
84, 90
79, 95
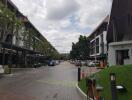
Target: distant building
119, 35
98, 43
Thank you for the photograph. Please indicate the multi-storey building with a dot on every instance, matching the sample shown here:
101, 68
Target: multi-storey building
20, 41
98, 43
119, 35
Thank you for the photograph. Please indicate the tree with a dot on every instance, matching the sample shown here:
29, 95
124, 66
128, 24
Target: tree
81, 49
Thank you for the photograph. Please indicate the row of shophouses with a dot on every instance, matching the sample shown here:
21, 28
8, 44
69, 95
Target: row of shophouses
21, 44
111, 41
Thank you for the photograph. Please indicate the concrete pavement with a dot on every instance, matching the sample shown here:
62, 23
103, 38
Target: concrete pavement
45, 83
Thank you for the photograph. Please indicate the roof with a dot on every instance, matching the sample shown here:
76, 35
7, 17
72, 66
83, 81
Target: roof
14, 47
106, 19
12, 4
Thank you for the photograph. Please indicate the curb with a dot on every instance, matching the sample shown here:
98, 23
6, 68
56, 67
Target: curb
81, 93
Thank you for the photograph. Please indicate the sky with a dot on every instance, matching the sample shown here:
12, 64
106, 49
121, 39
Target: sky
61, 22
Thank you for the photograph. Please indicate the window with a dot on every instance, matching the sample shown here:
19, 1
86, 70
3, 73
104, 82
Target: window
102, 36
92, 46
97, 41
97, 45
102, 43
126, 54
97, 49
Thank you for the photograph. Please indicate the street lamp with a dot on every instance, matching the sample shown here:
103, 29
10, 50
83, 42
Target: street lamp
112, 77
113, 86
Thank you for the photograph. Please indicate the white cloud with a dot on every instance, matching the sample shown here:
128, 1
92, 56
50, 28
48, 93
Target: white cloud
62, 21
62, 40
60, 9
92, 12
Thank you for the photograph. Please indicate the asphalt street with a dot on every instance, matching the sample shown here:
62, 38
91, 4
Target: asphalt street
44, 83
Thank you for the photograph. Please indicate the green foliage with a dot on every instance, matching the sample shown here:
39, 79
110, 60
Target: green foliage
6, 13
8, 18
81, 49
82, 85
123, 77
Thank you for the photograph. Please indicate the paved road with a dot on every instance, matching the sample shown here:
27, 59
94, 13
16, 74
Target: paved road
45, 83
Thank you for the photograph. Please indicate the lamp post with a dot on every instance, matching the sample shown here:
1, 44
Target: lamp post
113, 86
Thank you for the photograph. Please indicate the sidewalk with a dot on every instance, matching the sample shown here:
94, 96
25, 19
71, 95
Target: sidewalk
87, 71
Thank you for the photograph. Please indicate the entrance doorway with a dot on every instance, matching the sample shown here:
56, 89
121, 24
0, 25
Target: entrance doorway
121, 55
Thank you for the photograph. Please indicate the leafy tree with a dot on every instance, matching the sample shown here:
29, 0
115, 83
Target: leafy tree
81, 49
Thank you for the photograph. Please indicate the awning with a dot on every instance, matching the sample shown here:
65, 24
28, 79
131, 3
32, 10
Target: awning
13, 47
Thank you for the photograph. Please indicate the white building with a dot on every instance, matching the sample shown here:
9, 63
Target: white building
101, 44
119, 35
120, 53
98, 42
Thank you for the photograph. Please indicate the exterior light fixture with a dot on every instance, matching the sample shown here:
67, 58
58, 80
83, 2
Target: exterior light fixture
112, 76
113, 86
121, 88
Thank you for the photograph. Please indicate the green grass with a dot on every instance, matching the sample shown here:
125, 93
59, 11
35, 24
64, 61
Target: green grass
82, 85
123, 76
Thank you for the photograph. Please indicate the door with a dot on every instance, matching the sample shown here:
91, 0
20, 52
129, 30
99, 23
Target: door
119, 57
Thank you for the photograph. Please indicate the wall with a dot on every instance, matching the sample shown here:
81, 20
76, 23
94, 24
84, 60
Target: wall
105, 41
119, 46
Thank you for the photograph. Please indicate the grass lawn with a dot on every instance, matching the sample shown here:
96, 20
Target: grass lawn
123, 76
82, 85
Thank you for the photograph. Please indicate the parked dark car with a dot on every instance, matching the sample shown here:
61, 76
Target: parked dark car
78, 63
52, 63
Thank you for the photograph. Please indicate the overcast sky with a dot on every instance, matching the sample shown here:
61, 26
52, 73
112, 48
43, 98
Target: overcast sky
62, 21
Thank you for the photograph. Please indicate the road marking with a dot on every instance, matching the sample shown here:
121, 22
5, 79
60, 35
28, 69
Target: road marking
56, 82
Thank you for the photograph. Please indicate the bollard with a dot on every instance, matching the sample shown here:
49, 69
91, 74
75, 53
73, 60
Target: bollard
79, 72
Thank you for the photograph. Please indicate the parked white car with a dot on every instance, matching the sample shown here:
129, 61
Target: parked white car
93, 64
83, 63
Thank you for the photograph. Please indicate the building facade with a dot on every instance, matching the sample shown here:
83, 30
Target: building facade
20, 42
119, 35
98, 43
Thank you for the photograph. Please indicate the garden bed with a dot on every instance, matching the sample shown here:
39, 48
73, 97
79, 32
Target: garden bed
123, 75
